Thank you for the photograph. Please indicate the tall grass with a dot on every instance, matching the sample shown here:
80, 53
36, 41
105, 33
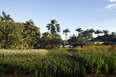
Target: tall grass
98, 48
102, 48
30, 52
97, 62
59, 63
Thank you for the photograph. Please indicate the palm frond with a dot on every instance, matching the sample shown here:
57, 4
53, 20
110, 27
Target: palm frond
4, 14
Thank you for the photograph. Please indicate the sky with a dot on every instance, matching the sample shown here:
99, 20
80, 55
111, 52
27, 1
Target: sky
71, 14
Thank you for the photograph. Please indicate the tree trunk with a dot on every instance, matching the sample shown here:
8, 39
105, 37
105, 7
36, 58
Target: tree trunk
65, 36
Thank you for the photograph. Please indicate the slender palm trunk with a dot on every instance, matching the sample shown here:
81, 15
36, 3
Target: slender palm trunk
65, 36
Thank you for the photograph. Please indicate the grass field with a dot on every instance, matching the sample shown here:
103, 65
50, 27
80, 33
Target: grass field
30, 52
56, 63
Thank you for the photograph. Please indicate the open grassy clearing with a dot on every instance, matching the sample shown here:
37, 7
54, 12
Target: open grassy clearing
29, 52
57, 63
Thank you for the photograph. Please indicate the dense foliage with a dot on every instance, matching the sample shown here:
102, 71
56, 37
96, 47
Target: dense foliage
16, 35
26, 35
56, 63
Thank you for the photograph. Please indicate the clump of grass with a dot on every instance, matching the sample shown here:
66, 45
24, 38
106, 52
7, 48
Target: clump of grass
97, 62
59, 63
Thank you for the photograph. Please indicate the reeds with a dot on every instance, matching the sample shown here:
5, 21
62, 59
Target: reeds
58, 63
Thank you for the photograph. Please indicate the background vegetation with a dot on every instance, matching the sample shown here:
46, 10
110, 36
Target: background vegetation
16, 35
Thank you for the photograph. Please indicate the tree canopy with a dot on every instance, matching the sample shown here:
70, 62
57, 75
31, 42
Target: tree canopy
16, 35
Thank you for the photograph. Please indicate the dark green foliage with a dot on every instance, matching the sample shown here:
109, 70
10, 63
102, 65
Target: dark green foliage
18, 35
72, 39
97, 62
59, 63
46, 40
31, 34
8, 33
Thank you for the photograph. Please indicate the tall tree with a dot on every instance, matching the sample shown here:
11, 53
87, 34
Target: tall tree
53, 27
31, 34
66, 31
7, 28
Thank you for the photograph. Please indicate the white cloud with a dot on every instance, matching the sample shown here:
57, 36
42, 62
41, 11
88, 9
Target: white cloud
112, 0
111, 6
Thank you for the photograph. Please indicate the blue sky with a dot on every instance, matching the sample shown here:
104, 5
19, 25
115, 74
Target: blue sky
71, 14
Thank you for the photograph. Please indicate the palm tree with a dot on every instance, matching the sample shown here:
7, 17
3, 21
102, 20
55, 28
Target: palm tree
98, 32
79, 30
5, 17
105, 32
91, 31
53, 27
66, 31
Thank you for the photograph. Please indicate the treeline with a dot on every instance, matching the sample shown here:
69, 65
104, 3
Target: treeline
26, 35
86, 36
